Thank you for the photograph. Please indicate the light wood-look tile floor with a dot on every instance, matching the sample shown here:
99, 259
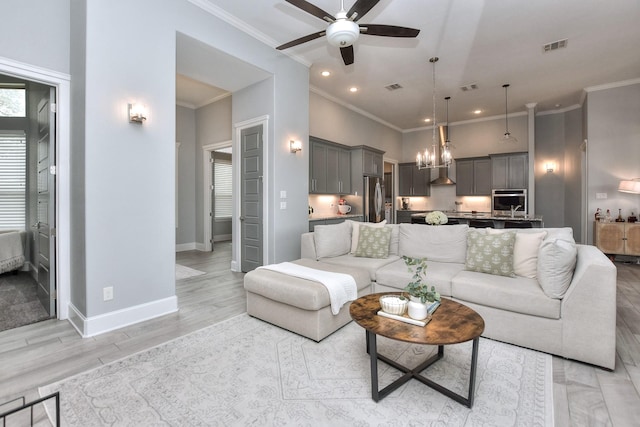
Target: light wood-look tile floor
48, 351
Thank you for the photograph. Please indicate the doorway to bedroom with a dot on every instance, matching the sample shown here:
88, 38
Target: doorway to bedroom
27, 202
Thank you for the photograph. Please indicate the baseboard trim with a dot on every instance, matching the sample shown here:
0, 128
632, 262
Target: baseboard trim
186, 247
223, 238
96, 325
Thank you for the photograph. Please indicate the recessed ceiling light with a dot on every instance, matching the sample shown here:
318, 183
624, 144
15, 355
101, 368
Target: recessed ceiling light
353, 89
477, 111
325, 73
427, 120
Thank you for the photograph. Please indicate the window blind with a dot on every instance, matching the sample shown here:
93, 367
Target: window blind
13, 177
223, 190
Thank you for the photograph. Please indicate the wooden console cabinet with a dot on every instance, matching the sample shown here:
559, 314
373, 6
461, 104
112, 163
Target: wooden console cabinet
617, 238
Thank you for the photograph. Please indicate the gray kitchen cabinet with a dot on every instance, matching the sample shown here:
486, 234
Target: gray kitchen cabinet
329, 168
510, 171
368, 160
412, 181
473, 176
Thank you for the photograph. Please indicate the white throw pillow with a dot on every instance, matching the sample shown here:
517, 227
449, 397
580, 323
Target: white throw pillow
556, 262
332, 240
525, 251
355, 231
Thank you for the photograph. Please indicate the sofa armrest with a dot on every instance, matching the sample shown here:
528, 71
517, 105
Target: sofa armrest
589, 309
308, 246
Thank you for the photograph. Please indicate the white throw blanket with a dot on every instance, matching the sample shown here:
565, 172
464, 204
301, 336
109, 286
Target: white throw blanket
11, 253
341, 287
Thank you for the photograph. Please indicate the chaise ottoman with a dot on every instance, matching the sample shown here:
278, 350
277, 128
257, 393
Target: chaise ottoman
299, 305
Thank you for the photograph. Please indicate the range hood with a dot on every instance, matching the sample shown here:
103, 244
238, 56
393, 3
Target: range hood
443, 173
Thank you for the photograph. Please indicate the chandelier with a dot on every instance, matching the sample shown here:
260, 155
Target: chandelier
431, 159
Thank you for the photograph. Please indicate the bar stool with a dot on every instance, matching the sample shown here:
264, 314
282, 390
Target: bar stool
481, 223
518, 224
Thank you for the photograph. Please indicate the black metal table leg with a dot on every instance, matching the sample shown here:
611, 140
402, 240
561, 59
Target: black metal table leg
377, 394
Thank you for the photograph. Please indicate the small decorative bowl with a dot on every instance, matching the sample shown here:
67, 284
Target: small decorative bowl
392, 304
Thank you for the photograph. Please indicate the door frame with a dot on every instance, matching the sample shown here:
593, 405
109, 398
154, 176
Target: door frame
62, 84
206, 172
236, 260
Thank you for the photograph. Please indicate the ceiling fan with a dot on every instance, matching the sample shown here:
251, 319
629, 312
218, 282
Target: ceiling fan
343, 30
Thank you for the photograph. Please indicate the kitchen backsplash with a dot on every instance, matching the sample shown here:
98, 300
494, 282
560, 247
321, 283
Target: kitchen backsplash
443, 198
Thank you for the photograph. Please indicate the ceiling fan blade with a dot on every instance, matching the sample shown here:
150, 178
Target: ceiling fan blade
347, 54
313, 10
301, 40
388, 30
361, 7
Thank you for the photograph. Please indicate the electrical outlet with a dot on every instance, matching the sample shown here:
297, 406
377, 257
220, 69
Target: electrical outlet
283, 194
283, 205
107, 293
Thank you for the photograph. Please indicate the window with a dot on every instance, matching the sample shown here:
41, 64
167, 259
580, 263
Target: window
13, 176
13, 101
223, 189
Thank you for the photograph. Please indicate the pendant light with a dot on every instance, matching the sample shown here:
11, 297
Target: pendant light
507, 137
426, 159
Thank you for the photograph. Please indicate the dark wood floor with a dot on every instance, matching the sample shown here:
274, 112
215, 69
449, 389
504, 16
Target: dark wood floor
48, 351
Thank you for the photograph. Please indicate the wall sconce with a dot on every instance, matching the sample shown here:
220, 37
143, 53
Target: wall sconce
630, 186
550, 166
295, 146
137, 113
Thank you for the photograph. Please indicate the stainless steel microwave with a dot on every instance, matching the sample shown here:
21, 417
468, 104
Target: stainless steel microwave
509, 202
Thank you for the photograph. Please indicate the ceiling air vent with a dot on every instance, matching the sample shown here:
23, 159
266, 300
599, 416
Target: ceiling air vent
470, 86
394, 86
555, 45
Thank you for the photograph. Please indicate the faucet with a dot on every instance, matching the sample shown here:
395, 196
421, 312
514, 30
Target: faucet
513, 210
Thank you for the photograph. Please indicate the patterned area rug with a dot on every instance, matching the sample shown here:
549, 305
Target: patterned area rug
19, 304
183, 272
245, 372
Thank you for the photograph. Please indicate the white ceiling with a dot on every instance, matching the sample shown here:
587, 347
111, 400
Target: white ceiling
489, 43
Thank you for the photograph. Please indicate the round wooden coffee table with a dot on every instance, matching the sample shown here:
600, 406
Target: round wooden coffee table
452, 323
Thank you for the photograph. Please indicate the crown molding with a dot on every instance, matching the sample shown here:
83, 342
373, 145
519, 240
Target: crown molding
560, 110
232, 20
353, 108
612, 85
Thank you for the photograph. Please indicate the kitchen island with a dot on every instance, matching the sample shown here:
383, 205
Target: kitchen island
485, 219
326, 219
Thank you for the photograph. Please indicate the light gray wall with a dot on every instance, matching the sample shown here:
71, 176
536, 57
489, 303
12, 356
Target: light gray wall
129, 170
334, 122
613, 150
550, 187
186, 203
78, 280
213, 125
574, 166
36, 32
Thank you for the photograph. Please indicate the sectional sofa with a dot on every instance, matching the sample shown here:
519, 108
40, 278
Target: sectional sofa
534, 288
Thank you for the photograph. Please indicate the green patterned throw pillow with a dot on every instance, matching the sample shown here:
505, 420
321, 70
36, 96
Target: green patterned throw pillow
490, 253
373, 242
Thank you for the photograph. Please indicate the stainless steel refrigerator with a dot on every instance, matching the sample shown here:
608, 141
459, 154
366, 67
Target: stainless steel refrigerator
373, 199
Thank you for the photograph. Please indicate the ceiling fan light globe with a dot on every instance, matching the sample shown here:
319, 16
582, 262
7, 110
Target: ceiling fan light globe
343, 33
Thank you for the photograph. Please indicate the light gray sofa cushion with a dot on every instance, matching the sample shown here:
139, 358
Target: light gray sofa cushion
332, 240
372, 265
442, 243
520, 294
439, 274
301, 293
556, 263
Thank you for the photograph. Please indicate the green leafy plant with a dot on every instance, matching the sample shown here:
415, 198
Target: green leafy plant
416, 288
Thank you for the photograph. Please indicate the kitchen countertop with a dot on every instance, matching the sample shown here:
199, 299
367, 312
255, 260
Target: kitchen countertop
319, 217
482, 215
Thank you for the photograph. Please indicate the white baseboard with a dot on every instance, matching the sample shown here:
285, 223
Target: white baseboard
200, 247
186, 247
222, 238
96, 325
